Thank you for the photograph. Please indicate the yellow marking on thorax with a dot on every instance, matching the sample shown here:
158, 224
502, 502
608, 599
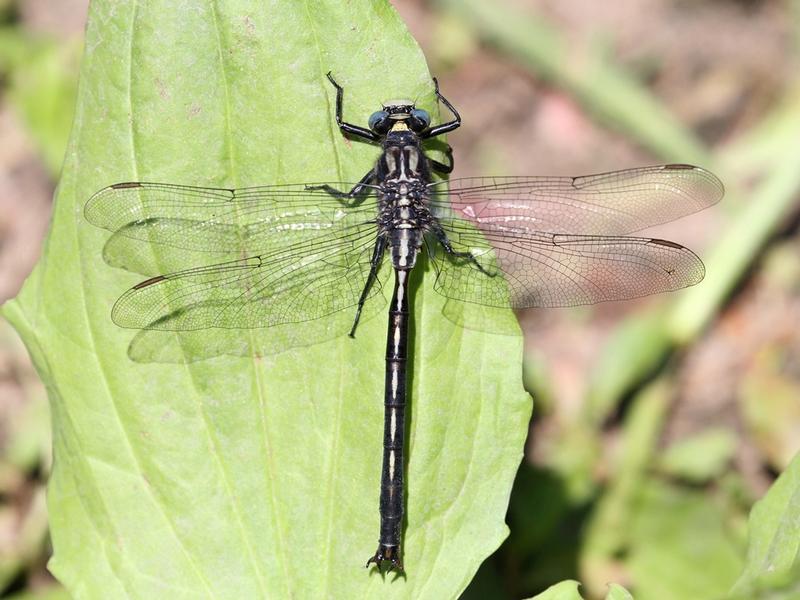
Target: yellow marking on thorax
400, 126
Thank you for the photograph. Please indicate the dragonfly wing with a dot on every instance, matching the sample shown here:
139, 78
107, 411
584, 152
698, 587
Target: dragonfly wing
293, 205
298, 283
162, 245
614, 203
159, 228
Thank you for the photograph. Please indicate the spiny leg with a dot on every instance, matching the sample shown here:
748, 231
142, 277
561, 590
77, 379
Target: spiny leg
344, 126
443, 168
348, 128
356, 193
448, 247
375, 263
444, 127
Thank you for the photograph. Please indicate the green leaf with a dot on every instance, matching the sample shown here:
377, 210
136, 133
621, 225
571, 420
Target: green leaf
617, 592
681, 544
701, 457
565, 590
256, 476
772, 569
568, 590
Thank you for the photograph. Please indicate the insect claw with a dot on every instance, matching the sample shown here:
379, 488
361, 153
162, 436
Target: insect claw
387, 553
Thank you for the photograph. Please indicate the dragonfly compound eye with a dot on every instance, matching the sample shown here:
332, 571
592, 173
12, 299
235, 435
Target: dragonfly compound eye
380, 122
419, 120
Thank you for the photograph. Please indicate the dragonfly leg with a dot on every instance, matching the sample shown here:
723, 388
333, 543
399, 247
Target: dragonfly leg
443, 168
375, 263
356, 193
470, 258
444, 127
448, 247
344, 126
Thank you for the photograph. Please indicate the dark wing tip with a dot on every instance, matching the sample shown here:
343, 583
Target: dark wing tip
714, 182
149, 282
91, 206
126, 311
699, 269
125, 185
666, 243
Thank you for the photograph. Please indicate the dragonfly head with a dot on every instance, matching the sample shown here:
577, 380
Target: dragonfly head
399, 114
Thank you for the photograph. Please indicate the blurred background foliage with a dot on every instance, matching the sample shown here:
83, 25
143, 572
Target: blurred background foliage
658, 422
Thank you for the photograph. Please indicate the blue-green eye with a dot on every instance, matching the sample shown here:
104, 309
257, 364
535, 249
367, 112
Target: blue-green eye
422, 116
379, 121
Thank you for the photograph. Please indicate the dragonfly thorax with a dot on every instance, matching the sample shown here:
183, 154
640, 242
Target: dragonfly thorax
402, 159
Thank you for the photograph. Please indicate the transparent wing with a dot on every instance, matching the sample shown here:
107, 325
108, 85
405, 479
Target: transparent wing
163, 227
614, 203
280, 207
298, 283
521, 269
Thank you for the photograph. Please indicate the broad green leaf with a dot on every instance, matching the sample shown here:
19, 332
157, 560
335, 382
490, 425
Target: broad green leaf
681, 544
617, 592
772, 569
565, 590
568, 590
255, 476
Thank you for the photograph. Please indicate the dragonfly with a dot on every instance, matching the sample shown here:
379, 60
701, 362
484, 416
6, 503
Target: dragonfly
285, 255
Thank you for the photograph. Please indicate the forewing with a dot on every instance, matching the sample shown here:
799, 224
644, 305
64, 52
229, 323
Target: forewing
614, 203
293, 205
162, 227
